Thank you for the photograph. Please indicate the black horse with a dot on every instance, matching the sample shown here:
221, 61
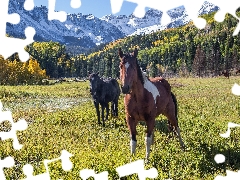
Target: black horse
103, 92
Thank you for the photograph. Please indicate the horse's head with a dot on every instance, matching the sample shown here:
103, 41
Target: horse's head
128, 70
95, 82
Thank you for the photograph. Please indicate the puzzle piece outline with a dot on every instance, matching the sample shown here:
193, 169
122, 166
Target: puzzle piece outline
220, 158
8, 162
66, 165
9, 45
139, 10
21, 125
191, 7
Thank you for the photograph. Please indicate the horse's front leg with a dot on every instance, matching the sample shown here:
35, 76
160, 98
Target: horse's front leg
112, 108
132, 123
96, 104
149, 136
103, 107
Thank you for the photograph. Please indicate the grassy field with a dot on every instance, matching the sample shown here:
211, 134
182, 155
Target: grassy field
62, 116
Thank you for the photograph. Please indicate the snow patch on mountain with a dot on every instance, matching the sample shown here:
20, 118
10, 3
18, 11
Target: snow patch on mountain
87, 30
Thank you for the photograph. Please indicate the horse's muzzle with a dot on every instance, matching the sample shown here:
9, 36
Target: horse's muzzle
125, 89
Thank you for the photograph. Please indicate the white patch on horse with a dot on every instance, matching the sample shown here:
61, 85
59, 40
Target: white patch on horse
150, 87
126, 66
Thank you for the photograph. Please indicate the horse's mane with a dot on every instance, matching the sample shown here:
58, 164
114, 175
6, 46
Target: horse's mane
139, 72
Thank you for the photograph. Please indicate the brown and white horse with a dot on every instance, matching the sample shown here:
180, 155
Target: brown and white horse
145, 99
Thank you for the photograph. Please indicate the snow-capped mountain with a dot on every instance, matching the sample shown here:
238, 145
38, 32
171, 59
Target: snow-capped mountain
87, 30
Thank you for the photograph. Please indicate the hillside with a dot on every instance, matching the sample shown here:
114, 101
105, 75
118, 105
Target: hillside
185, 50
84, 31
182, 51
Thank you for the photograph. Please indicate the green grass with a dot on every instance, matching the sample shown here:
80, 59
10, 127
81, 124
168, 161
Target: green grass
62, 116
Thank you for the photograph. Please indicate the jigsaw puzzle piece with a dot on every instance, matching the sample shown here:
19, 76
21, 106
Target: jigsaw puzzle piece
231, 175
66, 165
52, 15
87, 173
75, 4
219, 158
230, 125
225, 7
236, 89
116, 6
137, 167
5, 163
29, 5
9, 46
5, 17
28, 172
141, 5
192, 8
66, 162
18, 126
65, 158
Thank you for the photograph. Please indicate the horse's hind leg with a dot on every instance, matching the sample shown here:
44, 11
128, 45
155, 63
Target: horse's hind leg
107, 110
149, 136
171, 115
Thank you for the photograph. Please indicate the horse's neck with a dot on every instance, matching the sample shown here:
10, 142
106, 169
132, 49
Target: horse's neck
138, 89
100, 85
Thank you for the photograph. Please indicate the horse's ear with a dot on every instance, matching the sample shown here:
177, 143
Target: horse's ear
97, 73
120, 53
135, 52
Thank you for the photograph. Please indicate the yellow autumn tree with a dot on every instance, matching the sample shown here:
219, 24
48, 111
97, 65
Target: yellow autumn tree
14, 72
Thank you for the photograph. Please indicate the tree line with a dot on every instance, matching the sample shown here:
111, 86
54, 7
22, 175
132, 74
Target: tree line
186, 51
14, 72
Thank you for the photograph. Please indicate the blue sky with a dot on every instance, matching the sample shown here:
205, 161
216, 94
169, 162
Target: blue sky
98, 8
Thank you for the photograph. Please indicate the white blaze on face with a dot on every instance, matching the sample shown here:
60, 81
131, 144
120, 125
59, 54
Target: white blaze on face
126, 67
151, 88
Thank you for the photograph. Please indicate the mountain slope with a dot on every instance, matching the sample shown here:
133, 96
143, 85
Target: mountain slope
88, 31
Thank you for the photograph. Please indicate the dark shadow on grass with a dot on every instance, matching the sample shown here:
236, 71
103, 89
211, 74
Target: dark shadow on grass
112, 122
161, 126
208, 164
116, 123
206, 167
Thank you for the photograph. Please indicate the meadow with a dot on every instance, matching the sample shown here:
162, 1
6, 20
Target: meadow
62, 116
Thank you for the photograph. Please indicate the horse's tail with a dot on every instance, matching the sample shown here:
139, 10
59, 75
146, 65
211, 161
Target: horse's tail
176, 105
